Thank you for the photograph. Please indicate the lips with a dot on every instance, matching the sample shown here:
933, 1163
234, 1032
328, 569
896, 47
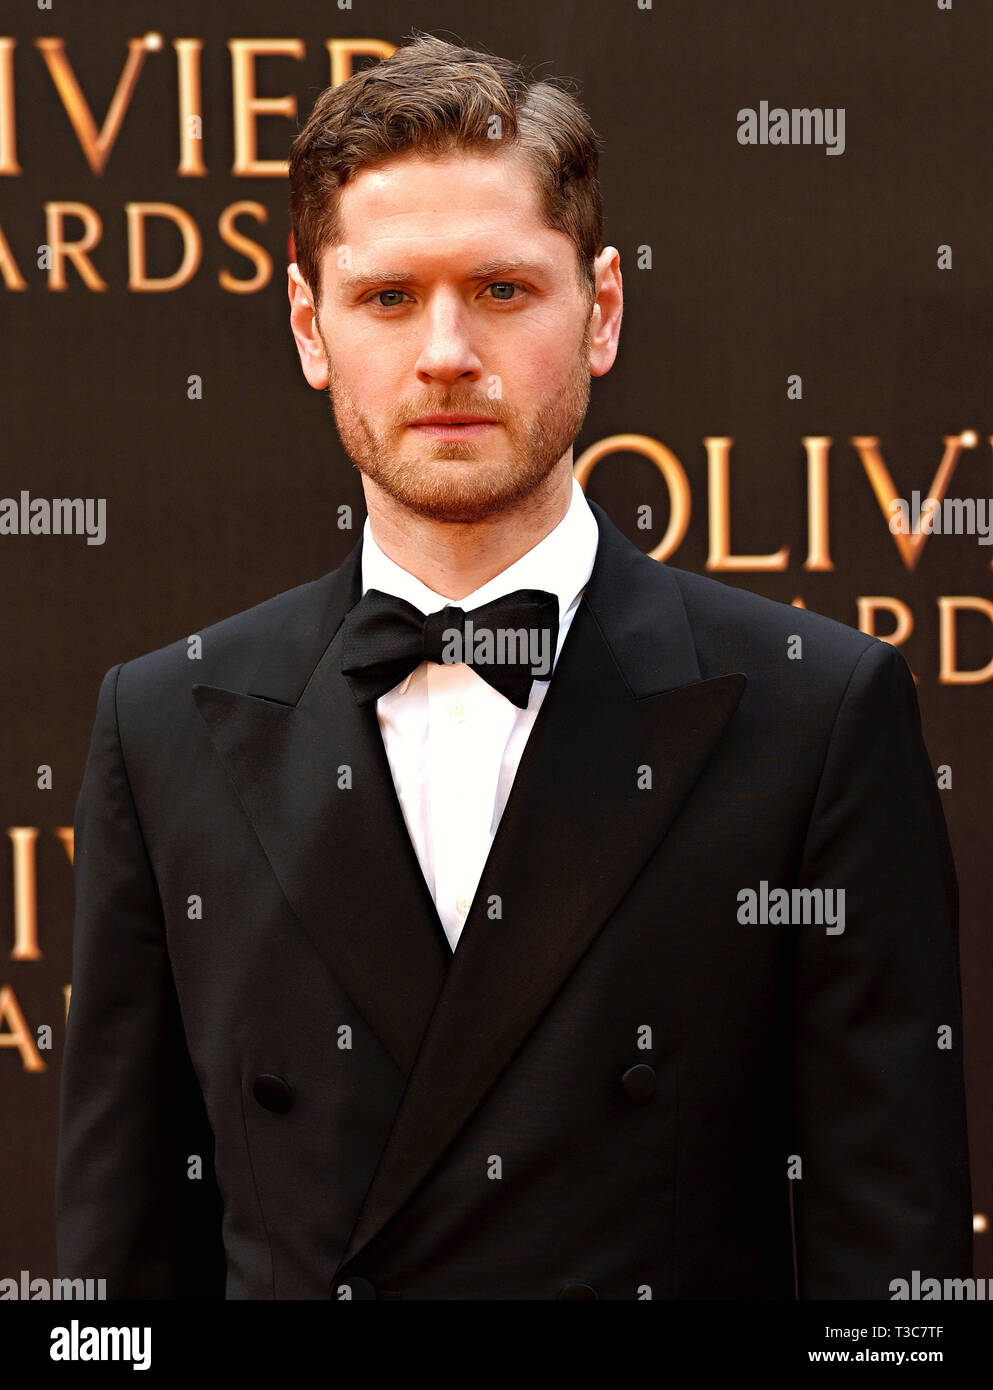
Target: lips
455, 419
454, 426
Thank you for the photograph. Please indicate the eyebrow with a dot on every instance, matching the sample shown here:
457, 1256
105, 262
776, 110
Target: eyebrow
495, 266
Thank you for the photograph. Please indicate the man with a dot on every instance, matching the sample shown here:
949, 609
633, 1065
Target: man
618, 964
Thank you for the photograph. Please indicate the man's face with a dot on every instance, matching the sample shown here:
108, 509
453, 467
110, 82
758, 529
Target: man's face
453, 297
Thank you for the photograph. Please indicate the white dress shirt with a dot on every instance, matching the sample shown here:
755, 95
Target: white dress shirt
453, 742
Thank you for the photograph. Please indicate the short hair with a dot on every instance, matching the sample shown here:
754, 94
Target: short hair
435, 97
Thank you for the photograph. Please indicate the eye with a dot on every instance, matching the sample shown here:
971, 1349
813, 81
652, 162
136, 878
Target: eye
378, 296
510, 285
504, 294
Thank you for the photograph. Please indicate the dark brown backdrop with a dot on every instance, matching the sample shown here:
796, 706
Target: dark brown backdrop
765, 262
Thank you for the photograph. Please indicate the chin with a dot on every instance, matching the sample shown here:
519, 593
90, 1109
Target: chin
444, 508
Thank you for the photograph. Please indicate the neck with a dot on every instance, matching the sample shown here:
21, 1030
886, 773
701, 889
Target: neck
455, 558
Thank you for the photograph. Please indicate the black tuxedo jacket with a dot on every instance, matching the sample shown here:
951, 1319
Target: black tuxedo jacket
279, 1081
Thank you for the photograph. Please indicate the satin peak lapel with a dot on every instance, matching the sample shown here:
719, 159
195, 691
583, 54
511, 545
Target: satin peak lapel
342, 857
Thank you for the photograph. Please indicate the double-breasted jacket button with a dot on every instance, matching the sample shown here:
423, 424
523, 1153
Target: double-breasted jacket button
577, 1291
639, 1083
272, 1092
353, 1286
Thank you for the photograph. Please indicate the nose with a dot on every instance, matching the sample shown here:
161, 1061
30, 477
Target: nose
446, 352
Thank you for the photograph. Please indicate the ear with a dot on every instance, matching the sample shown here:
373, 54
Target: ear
303, 323
608, 307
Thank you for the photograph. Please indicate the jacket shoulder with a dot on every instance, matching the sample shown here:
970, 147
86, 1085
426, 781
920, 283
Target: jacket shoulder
736, 629
227, 651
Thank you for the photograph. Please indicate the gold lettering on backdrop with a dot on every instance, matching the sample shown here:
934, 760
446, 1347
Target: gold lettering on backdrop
251, 249
23, 839
8, 128
910, 545
719, 479
190, 94
96, 145
74, 251
19, 1035
343, 51
192, 246
868, 608
12, 277
680, 502
949, 608
818, 449
248, 106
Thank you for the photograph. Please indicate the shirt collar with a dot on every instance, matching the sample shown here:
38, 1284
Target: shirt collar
561, 563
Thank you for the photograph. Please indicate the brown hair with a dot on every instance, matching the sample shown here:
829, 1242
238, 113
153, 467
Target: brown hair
435, 97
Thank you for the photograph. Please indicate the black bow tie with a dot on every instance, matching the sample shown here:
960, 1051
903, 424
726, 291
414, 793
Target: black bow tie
509, 642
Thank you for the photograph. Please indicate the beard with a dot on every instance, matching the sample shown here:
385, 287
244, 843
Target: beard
461, 480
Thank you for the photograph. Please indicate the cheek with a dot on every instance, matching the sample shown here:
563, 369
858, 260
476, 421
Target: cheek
537, 365
375, 371
363, 377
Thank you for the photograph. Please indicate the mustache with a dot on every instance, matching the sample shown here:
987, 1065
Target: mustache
492, 409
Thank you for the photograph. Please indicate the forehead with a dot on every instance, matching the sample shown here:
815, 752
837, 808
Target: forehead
440, 204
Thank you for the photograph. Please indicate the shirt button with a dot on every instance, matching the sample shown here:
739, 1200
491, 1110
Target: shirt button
458, 711
463, 905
